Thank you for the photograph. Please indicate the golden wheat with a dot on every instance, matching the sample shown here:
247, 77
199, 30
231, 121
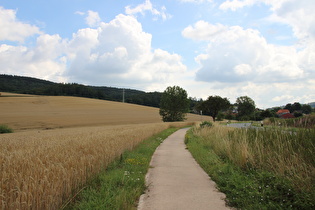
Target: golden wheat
41, 169
50, 112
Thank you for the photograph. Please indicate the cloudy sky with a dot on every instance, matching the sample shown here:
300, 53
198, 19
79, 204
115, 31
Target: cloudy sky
264, 49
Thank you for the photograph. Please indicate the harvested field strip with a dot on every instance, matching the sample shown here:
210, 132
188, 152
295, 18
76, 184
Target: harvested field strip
40, 170
50, 112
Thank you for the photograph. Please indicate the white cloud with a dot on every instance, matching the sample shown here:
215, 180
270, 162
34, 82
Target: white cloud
93, 19
120, 52
239, 61
79, 13
43, 61
13, 29
236, 4
243, 69
235, 54
116, 53
299, 14
195, 1
203, 31
282, 98
147, 6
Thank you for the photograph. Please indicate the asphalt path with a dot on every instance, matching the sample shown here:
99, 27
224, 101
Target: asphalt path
240, 125
176, 181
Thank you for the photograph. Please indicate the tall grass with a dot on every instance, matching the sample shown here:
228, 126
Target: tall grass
287, 154
42, 169
307, 121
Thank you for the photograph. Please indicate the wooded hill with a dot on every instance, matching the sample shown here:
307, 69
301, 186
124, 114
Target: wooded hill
29, 85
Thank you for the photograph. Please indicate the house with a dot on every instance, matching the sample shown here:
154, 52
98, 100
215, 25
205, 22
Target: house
287, 116
282, 111
284, 114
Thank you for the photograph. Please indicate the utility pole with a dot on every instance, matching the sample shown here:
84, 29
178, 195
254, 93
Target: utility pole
123, 95
201, 114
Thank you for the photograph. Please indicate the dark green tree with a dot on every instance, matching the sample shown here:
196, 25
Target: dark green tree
306, 109
174, 104
289, 107
214, 104
296, 106
245, 107
265, 114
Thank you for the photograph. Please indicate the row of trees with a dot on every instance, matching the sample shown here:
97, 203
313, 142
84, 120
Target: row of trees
174, 106
29, 85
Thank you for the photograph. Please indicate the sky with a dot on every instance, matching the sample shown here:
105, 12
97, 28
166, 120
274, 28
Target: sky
264, 49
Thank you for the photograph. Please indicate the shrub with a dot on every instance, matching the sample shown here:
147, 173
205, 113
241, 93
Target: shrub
5, 129
206, 124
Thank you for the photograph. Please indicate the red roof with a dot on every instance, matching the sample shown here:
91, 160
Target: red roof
287, 116
283, 111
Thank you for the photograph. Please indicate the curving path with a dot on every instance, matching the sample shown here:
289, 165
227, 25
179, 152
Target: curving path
176, 181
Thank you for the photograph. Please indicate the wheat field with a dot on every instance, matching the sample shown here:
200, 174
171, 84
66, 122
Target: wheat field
24, 112
61, 142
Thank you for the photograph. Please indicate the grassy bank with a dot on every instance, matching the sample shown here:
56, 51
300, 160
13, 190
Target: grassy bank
264, 169
120, 186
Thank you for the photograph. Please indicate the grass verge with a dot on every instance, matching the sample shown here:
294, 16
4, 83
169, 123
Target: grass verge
5, 129
247, 188
122, 183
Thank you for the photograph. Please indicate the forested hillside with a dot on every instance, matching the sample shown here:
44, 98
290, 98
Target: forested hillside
28, 85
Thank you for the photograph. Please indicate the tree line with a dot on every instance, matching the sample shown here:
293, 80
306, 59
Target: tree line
28, 85
175, 105
173, 102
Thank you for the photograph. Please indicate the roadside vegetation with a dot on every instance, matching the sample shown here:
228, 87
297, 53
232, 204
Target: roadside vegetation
307, 121
44, 169
123, 182
258, 168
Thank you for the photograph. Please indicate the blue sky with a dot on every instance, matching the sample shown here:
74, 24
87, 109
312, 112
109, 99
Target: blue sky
264, 49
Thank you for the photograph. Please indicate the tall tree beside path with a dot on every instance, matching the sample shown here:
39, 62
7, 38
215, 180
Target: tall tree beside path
245, 107
214, 104
174, 104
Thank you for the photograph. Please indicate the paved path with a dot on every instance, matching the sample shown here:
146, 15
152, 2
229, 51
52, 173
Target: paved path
240, 125
177, 182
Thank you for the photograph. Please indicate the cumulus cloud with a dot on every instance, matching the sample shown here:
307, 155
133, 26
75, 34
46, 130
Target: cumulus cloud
239, 61
147, 6
43, 61
299, 14
12, 29
203, 31
116, 53
235, 54
120, 52
92, 19
296, 13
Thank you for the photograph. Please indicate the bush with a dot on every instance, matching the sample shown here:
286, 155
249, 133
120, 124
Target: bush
220, 116
5, 129
206, 124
